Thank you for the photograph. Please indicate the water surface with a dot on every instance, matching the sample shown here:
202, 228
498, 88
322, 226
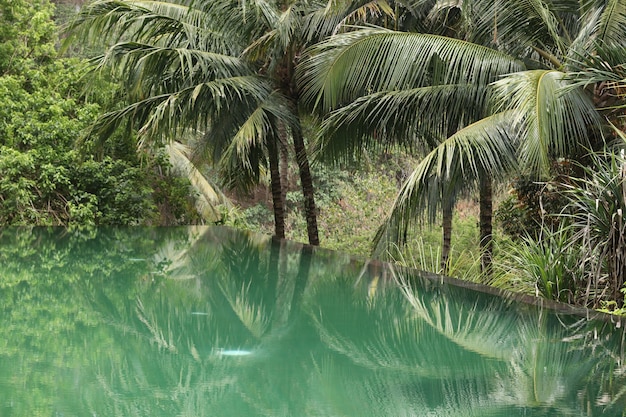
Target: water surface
215, 322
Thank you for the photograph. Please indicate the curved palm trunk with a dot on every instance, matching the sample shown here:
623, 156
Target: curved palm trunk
277, 190
486, 213
310, 211
447, 235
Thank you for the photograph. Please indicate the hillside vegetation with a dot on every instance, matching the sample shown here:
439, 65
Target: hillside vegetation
461, 138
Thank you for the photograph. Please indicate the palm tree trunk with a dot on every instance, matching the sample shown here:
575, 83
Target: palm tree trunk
447, 235
310, 212
486, 213
277, 195
284, 167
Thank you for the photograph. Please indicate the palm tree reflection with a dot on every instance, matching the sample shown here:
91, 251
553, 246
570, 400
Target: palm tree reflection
463, 353
241, 325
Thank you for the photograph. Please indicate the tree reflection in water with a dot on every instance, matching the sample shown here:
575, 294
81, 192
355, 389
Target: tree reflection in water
216, 322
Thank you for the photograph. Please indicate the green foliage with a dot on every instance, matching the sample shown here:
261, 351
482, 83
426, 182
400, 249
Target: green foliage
119, 191
172, 197
47, 176
514, 219
612, 306
423, 252
258, 217
44, 179
580, 256
27, 34
549, 265
598, 207
351, 204
534, 205
349, 220
46, 187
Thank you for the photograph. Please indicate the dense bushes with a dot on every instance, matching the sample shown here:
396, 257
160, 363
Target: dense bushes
47, 174
574, 249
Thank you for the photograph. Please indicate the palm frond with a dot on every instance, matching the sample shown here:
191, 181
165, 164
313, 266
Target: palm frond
163, 22
549, 22
148, 68
600, 35
236, 137
208, 197
485, 146
193, 107
585, 39
240, 142
409, 117
334, 16
250, 137
353, 64
272, 45
551, 119
519, 26
612, 23
361, 14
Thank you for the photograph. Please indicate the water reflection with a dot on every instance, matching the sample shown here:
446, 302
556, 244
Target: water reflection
215, 322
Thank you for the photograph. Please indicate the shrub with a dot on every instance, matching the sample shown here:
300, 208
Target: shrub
598, 206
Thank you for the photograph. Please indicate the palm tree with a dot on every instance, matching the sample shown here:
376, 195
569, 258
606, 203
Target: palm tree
281, 32
500, 97
182, 72
223, 69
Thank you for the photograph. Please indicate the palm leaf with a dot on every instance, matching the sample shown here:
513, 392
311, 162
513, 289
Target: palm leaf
485, 146
165, 22
353, 64
360, 14
585, 40
612, 22
238, 137
239, 164
552, 120
409, 117
332, 16
523, 25
195, 106
162, 69
273, 44
208, 197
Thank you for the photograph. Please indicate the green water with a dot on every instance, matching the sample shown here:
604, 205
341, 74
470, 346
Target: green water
213, 322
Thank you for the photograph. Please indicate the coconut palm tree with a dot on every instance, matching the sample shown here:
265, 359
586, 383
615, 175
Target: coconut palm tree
223, 69
496, 96
182, 72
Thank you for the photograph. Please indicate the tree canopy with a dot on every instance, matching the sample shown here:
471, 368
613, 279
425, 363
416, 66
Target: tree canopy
47, 173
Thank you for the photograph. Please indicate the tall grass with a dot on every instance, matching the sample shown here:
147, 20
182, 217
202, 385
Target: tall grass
548, 267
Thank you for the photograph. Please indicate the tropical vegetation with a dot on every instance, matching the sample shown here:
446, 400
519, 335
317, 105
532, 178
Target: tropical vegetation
498, 91
48, 175
441, 102
221, 72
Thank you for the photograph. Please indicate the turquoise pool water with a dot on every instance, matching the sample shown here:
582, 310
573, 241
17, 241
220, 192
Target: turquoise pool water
215, 322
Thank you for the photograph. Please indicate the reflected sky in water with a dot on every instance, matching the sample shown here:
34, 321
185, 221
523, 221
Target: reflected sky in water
208, 321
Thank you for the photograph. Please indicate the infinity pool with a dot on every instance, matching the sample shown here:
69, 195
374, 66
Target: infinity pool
210, 321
